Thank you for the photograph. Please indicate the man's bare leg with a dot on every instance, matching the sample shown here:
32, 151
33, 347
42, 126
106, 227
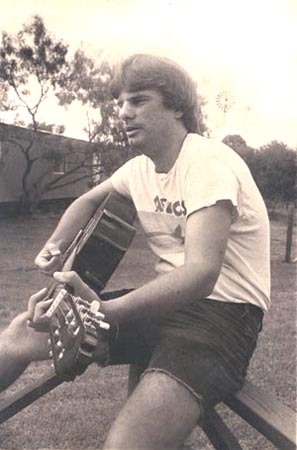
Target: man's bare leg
159, 415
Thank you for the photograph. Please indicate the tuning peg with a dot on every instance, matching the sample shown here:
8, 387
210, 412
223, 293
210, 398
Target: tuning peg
73, 323
49, 342
75, 332
69, 315
104, 325
59, 344
56, 332
95, 306
61, 355
99, 315
50, 353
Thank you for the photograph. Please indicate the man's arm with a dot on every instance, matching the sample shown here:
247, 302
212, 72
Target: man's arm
207, 234
12, 363
74, 219
20, 344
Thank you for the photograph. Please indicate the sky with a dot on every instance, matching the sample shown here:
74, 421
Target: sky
245, 51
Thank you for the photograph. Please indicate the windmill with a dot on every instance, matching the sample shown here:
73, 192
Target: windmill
225, 100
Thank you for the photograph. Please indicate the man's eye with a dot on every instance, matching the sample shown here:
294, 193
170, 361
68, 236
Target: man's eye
138, 101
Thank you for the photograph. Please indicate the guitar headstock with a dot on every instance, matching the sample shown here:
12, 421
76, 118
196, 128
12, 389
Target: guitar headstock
74, 328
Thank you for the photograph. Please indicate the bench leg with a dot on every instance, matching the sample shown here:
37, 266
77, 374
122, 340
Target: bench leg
218, 433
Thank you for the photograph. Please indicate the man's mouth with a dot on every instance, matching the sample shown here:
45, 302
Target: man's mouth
130, 131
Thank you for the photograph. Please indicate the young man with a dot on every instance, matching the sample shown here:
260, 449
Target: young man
194, 327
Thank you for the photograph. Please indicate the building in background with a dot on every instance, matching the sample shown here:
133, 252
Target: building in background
43, 166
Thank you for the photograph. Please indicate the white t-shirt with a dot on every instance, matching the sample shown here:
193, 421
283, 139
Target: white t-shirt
205, 172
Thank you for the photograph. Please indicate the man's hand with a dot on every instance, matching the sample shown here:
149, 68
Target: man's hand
79, 288
49, 259
39, 303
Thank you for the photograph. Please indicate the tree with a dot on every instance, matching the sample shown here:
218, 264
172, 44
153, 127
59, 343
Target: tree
31, 64
88, 83
238, 144
202, 117
33, 67
274, 169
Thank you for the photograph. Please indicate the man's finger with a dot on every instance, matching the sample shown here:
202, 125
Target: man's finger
54, 250
47, 264
34, 299
80, 288
40, 310
49, 258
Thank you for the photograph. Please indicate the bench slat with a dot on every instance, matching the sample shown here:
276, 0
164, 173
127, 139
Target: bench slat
218, 433
27, 395
266, 414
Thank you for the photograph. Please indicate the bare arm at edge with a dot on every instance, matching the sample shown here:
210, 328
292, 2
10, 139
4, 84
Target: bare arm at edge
20, 344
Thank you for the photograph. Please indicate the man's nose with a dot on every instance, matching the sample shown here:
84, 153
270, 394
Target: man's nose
126, 111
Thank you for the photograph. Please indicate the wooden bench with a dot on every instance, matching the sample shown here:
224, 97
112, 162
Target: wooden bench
262, 411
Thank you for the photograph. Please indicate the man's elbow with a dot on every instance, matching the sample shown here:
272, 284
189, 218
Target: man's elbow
206, 277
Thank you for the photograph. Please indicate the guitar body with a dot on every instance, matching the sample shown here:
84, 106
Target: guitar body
112, 233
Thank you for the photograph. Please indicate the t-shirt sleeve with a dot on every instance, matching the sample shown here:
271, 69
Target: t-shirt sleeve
210, 182
120, 179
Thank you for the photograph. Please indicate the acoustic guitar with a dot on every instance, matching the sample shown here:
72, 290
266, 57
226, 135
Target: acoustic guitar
75, 324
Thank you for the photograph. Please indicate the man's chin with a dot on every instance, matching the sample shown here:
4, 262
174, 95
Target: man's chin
136, 146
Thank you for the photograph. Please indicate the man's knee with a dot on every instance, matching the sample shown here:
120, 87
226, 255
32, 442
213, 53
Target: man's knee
160, 414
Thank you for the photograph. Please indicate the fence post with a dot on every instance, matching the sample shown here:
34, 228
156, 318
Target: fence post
289, 234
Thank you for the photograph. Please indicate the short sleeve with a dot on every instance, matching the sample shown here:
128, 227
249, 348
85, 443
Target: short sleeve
208, 182
120, 179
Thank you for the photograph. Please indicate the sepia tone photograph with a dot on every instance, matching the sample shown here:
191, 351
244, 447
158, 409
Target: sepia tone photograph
148, 251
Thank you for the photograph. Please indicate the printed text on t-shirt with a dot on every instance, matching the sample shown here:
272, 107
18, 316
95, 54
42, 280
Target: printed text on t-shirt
176, 208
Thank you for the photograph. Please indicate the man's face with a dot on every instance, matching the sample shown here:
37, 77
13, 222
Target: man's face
147, 121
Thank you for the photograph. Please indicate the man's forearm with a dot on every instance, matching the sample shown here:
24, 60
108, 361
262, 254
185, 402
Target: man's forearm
78, 214
162, 296
73, 220
12, 364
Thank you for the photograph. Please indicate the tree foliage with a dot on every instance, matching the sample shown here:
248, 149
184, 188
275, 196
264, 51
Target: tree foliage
88, 83
237, 143
33, 66
273, 167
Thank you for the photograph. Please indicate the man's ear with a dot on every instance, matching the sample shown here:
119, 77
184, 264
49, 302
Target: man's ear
178, 114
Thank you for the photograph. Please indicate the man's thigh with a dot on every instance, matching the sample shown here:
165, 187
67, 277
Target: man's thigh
159, 415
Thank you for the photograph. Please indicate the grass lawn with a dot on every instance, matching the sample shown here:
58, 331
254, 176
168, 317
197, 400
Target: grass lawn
77, 415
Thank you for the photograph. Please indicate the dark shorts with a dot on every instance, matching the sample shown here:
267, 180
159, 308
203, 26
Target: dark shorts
206, 346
